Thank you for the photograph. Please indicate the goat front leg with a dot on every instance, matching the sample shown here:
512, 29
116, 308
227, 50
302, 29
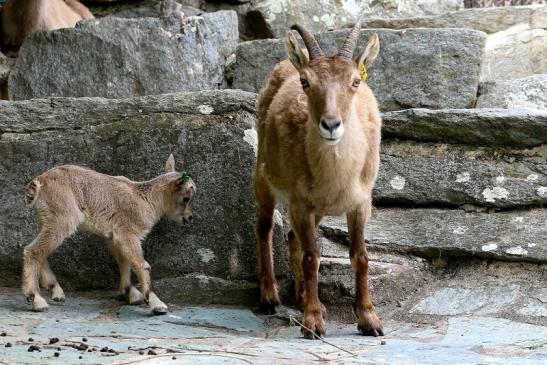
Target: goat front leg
131, 250
49, 282
269, 297
303, 225
127, 291
368, 322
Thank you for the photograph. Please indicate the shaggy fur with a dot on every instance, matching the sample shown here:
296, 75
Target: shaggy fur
22, 17
120, 210
317, 176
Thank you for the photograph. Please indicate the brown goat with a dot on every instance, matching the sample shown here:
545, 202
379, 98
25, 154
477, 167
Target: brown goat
122, 211
318, 150
19, 18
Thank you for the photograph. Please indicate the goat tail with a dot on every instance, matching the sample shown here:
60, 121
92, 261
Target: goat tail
31, 192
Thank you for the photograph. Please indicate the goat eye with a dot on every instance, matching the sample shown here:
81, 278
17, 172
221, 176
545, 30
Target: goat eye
304, 83
356, 83
186, 200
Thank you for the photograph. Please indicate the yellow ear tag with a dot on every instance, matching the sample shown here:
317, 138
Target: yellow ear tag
363, 73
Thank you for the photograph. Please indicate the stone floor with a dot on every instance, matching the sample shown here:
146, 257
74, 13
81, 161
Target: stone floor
95, 330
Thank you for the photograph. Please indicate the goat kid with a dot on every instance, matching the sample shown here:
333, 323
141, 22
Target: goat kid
122, 211
19, 18
318, 150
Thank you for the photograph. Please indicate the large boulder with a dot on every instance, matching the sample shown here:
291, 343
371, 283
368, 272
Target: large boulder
528, 92
488, 20
430, 68
278, 15
212, 137
515, 53
116, 58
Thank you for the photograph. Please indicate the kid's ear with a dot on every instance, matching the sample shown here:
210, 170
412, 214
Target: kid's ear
170, 164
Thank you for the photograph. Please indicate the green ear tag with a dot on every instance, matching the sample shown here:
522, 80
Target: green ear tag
184, 176
363, 73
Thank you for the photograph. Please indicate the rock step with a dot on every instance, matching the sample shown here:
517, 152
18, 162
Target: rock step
483, 127
430, 68
488, 20
513, 236
528, 92
118, 58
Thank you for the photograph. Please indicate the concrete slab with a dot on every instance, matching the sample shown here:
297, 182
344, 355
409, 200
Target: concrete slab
116, 334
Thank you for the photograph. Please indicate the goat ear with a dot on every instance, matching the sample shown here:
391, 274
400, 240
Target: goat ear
170, 164
369, 53
298, 58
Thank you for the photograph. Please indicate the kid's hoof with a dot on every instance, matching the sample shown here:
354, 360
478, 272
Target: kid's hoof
57, 294
135, 297
269, 307
39, 304
160, 310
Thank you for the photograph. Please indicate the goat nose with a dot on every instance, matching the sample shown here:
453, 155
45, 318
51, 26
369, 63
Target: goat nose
330, 125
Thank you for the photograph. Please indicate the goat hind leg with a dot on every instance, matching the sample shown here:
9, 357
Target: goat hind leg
34, 256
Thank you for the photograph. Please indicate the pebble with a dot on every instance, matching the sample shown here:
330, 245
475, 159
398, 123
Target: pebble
152, 352
3, 334
104, 349
80, 357
82, 347
383, 343
56, 354
31, 339
8, 344
33, 348
173, 358
84, 339
53, 340
141, 352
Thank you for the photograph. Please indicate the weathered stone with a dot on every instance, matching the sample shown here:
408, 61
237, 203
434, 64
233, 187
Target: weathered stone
115, 58
515, 53
487, 127
528, 92
413, 173
511, 235
488, 20
322, 15
433, 68
209, 134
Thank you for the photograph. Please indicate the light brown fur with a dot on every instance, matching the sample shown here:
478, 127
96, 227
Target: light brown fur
19, 18
122, 211
316, 176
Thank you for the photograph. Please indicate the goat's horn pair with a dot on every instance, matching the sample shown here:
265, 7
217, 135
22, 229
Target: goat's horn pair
313, 47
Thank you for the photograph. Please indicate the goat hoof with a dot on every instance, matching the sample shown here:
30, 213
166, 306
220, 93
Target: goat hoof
314, 326
57, 294
369, 324
269, 307
135, 297
161, 309
39, 304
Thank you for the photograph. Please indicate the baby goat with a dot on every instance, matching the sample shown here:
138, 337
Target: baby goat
22, 17
318, 150
122, 211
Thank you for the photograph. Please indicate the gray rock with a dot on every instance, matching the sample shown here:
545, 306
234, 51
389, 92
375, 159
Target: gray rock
116, 58
440, 174
322, 15
486, 127
432, 68
528, 92
514, 53
488, 20
209, 134
511, 235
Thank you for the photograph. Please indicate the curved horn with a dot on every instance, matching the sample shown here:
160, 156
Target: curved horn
309, 40
349, 44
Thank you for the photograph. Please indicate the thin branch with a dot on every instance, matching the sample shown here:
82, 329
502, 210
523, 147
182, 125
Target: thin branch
322, 339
